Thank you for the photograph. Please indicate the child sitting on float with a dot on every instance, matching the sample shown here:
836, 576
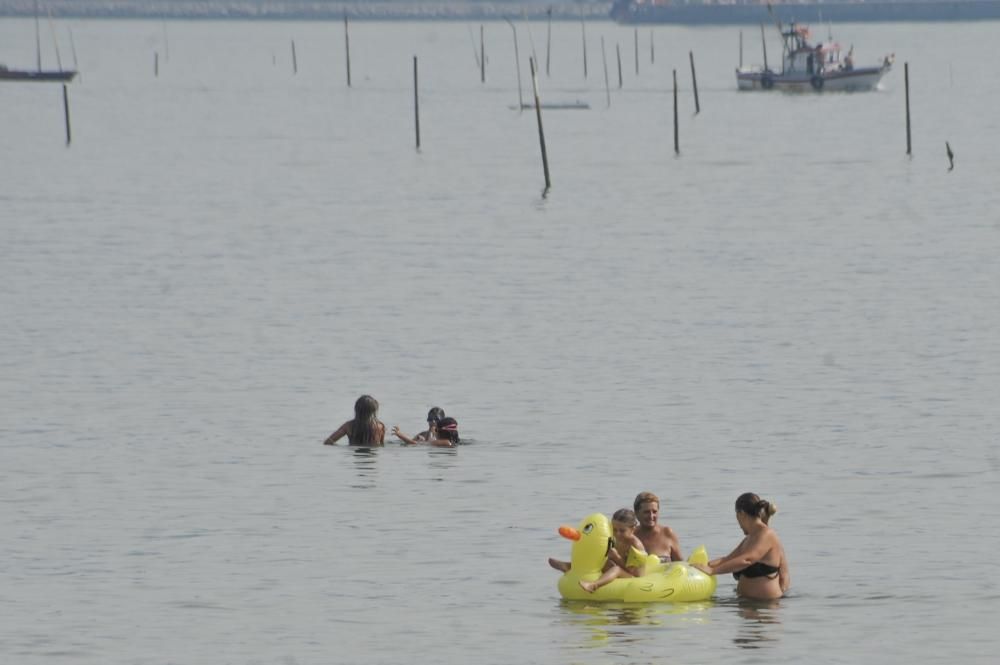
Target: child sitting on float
626, 558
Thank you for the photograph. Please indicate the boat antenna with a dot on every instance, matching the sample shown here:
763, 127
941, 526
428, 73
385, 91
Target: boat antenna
777, 21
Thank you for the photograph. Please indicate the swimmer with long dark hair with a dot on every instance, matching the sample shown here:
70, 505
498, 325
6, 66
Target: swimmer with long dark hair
365, 430
758, 563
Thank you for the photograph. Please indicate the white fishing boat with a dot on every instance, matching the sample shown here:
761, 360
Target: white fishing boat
811, 67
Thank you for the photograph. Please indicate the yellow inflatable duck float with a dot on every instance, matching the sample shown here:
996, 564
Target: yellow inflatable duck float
676, 582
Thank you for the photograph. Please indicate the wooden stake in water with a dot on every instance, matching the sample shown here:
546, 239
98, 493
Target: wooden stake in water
38, 39
583, 36
618, 50
156, 63
531, 40
416, 103
482, 54
517, 66
69, 133
475, 51
741, 49
295, 61
906, 84
347, 48
652, 57
541, 132
607, 84
694, 82
637, 51
166, 44
677, 135
548, 44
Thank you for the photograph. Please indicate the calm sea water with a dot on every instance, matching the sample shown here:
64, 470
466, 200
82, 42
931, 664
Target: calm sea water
196, 291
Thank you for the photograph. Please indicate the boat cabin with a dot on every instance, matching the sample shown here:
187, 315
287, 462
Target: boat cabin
801, 57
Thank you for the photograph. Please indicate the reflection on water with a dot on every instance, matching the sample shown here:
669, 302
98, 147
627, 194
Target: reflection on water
364, 462
760, 625
442, 459
607, 621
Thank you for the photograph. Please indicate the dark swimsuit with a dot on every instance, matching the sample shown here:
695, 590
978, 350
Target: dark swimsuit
759, 569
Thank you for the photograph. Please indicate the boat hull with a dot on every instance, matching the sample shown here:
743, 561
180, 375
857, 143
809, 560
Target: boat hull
855, 80
20, 75
629, 12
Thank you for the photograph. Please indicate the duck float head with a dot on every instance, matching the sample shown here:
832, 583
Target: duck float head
592, 539
591, 542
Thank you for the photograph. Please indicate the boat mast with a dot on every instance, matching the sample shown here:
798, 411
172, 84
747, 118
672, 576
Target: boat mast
38, 39
763, 43
55, 40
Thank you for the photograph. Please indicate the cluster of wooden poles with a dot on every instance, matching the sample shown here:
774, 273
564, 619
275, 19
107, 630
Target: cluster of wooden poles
534, 82
538, 106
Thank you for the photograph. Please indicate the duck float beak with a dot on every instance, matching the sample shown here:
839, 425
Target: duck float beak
569, 532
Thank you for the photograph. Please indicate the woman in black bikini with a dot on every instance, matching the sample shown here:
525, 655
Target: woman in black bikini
758, 563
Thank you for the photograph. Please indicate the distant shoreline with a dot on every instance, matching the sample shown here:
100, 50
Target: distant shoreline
305, 10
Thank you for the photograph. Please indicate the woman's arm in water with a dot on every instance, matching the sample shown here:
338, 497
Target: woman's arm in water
339, 434
751, 550
405, 439
736, 550
784, 575
675, 545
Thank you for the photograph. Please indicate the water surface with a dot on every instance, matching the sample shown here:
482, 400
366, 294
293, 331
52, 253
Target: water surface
195, 292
